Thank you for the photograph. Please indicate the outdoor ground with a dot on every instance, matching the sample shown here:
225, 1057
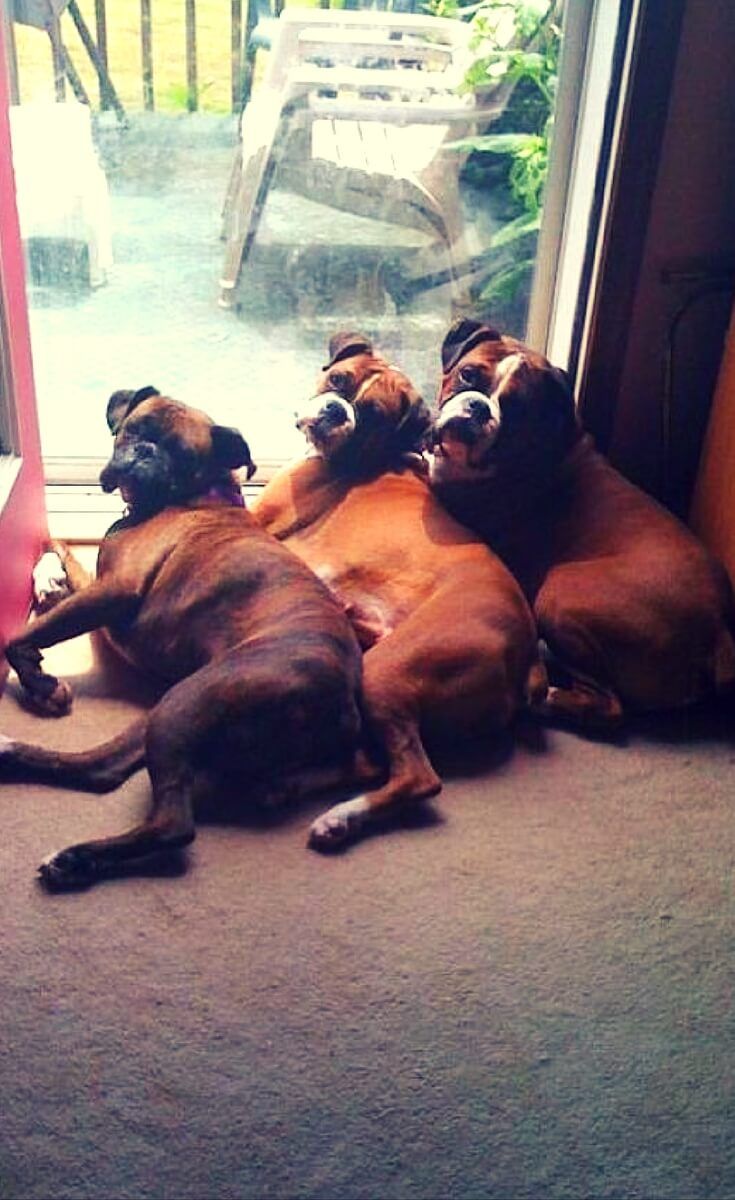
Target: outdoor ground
528, 994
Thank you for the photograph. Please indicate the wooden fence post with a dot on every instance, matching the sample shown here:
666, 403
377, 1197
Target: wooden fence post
146, 48
57, 56
100, 18
192, 96
106, 87
236, 54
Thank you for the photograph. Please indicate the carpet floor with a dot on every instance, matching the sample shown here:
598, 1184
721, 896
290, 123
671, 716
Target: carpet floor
528, 993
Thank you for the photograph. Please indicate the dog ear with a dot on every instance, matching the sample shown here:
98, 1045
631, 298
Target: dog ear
415, 425
229, 449
462, 336
561, 387
122, 403
561, 392
345, 344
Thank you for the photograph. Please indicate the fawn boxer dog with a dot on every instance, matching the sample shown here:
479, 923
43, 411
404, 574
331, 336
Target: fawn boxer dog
448, 637
630, 604
264, 667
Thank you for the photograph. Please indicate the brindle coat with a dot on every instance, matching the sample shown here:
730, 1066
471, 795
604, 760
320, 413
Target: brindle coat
262, 665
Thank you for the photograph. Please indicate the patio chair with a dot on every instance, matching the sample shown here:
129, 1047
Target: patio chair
261, 28
354, 113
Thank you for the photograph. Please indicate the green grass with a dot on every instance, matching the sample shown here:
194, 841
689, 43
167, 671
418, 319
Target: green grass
123, 41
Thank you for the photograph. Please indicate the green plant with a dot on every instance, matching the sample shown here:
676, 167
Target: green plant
176, 97
515, 64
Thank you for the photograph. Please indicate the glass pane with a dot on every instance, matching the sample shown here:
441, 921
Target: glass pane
386, 173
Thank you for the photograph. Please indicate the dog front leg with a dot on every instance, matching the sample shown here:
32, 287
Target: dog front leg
102, 603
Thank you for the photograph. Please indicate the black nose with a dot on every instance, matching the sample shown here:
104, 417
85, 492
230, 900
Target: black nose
335, 413
479, 409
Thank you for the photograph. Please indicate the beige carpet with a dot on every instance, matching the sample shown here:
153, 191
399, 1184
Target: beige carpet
530, 996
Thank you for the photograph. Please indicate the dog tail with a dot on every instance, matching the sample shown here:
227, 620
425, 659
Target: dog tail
101, 769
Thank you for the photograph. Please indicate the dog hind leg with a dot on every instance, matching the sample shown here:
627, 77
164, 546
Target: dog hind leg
411, 778
56, 575
168, 825
100, 769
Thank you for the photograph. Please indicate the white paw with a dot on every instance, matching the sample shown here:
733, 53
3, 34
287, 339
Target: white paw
68, 869
338, 823
50, 584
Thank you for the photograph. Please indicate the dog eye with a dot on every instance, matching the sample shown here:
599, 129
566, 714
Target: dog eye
471, 376
144, 428
341, 382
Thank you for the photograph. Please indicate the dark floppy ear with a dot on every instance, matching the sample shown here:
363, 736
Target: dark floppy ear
123, 402
229, 449
345, 344
414, 427
560, 389
463, 335
561, 385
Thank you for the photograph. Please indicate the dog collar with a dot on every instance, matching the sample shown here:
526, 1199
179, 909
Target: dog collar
229, 492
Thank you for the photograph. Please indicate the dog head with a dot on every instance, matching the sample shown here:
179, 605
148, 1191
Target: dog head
366, 416
167, 453
504, 413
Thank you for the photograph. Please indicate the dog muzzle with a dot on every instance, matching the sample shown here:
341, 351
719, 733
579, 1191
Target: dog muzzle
467, 427
327, 421
463, 435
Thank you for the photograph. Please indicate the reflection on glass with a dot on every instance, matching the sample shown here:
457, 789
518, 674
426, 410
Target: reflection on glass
386, 173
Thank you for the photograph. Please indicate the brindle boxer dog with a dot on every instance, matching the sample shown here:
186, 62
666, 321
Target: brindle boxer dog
264, 667
449, 640
630, 604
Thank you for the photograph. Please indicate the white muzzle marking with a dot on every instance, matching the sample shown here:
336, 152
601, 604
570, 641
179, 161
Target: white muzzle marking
461, 406
314, 422
505, 370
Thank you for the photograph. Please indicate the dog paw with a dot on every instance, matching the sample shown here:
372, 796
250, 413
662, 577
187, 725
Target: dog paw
338, 825
50, 584
55, 701
7, 748
69, 869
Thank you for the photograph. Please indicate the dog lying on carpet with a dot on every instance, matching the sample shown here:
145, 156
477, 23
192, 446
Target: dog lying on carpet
264, 667
449, 640
637, 613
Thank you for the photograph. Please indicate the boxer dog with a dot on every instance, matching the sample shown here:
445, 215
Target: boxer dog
449, 640
263, 666
630, 604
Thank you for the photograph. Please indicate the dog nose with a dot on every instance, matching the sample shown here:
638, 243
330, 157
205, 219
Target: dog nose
479, 409
335, 412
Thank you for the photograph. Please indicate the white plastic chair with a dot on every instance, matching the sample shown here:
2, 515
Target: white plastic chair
61, 189
354, 112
